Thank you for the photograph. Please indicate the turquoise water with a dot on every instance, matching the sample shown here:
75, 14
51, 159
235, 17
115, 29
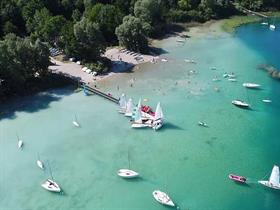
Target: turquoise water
188, 162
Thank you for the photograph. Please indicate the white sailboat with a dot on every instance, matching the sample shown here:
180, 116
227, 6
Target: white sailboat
127, 173
129, 108
272, 27
163, 198
20, 143
122, 103
251, 85
51, 185
40, 164
139, 122
75, 122
240, 103
273, 181
158, 118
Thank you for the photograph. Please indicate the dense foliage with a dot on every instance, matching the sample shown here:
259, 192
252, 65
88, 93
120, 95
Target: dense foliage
83, 29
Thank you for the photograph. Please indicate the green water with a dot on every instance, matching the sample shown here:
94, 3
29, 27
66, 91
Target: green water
188, 162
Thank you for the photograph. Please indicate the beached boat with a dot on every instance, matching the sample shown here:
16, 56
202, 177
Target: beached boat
75, 122
164, 60
266, 101
180, 40
51, 185
273, 181
237, 178
240, 103
251, 85
122, 103
203, 124
127, 173
163, 198
129, 108
272, 27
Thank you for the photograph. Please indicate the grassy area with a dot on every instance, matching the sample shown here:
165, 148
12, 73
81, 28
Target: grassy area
229, 25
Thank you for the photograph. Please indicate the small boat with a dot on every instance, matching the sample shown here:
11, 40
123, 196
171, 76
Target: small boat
266, 101
232, 75
164, 60
158, 118
20, 143
251, 85
216, 79
264, 23
232, 80
213, 68
203, 124
129, 108
272, 27
122, 103
163, 198
51, 185
75, 122
237, 178
225, 75
240, 103
40, 164
273, 181
180, 40
189, 61
127, 173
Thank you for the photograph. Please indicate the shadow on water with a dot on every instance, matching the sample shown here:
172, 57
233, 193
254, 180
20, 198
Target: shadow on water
169, 125
31, 104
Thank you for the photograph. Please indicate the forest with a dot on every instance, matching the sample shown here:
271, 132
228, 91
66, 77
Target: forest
84, 28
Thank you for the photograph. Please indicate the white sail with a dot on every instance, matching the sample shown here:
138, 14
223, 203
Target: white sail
158, 112
137, 112
122, 101
274, 177
129, 108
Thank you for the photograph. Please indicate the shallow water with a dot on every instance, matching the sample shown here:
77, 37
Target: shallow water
189, 162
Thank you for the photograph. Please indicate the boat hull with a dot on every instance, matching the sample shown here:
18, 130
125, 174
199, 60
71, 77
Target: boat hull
128, 174
163, 198
236, 178
270, 185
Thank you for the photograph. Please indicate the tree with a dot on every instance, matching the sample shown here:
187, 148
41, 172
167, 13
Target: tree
151, 12
19, 61
108, 18
251, 4
132, 34
90, 40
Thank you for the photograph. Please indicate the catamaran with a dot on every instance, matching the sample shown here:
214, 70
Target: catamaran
129, 108
273, 181
122, 103
240, 103
163, 198
251, 85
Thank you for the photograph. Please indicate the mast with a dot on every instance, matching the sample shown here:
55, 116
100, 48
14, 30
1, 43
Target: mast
50, 170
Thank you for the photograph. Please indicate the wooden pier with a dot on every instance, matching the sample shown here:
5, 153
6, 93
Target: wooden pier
254, 13
100, 93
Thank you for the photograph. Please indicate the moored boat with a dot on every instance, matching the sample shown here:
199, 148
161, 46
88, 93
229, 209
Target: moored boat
251, 85
203, 124
266, 101
272, 27
51, 186
237, 178
273, 181
240, 103
163, 198
127, 173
